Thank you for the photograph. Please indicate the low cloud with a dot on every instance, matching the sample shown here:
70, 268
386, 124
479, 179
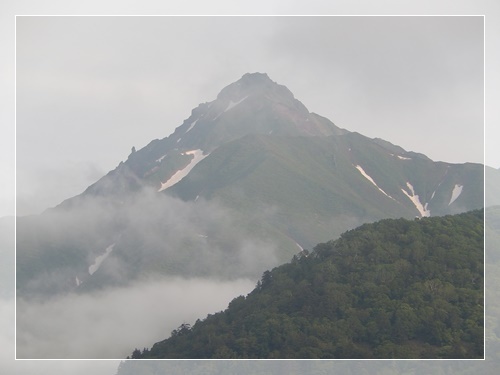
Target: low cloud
152, 234
9, 366
111, 323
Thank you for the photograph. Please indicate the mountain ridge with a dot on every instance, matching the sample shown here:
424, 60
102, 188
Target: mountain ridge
257, 154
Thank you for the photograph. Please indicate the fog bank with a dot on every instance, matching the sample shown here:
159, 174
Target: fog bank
111, 323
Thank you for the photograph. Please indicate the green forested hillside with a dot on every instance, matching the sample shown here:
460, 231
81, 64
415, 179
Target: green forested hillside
392, 289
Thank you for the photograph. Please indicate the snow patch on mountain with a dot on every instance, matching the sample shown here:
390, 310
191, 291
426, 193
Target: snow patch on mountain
234, 104
180, 174
230, 106
98, 261
424, 212
457, 190
192, 125
160, 159
365, 175
77, 281
400, 157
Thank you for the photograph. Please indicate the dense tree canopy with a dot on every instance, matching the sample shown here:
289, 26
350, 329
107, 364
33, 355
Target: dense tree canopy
391, 289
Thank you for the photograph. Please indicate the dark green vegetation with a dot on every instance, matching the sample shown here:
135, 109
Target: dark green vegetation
392, 289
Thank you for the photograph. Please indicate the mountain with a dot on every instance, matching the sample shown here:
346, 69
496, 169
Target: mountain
252, 105
392, 289
246, 181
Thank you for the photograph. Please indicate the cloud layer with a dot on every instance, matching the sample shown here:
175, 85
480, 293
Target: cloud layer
111, 323
149, 233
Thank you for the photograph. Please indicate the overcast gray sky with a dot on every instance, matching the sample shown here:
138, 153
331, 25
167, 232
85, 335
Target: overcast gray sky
90, 88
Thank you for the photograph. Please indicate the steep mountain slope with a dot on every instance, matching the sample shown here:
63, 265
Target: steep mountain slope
252, 105
320, 186
244, 183
392, 289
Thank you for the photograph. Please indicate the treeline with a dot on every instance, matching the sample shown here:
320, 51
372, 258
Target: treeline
392, 289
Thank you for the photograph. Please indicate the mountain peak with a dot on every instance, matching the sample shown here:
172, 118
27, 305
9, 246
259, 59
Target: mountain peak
249, 84
254, 104
256, 77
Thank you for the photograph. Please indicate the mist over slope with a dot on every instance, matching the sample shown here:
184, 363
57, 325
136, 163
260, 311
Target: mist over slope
104, 324
109, 244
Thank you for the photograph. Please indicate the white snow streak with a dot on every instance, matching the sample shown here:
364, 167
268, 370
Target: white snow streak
98, 261
424, 212
192, 125
234, 104
401, 157
160, 159
180, 174
77, 280
361, 170
457, 190
230, 106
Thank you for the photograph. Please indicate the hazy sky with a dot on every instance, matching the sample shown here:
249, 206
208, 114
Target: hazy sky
90, 88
